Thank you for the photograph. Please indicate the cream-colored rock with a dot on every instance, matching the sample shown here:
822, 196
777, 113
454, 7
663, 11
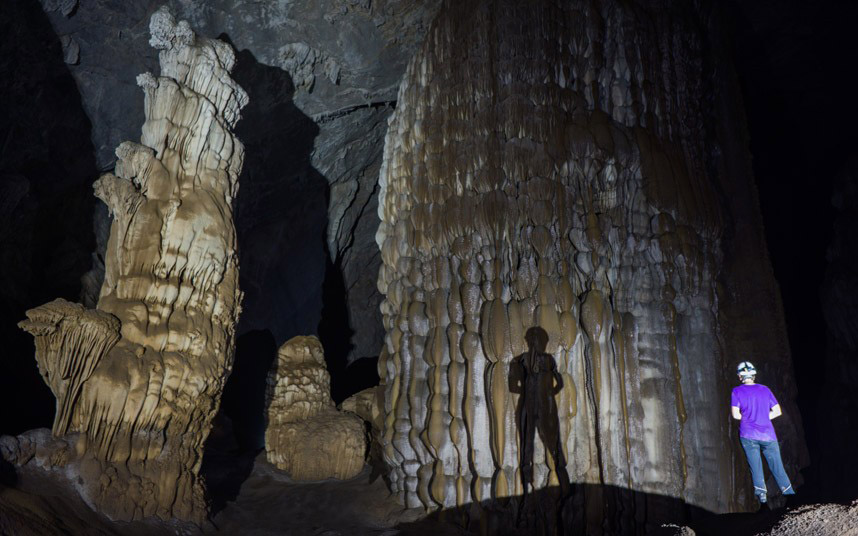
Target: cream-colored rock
547, 166
305, 434
140, 378
70, 342
367, 405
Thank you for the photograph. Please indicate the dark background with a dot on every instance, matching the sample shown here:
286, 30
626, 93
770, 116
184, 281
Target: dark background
795, 62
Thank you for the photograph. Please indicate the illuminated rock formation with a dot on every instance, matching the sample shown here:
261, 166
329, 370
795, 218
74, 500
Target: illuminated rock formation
548, 166
366, 405
140, 378
305, 434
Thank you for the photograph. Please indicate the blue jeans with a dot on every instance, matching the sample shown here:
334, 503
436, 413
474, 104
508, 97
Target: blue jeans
772, 453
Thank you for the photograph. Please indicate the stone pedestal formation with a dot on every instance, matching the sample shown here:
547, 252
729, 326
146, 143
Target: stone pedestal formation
139, 378
305, 435
549, 168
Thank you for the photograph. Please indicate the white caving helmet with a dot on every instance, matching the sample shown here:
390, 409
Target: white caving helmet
746, 370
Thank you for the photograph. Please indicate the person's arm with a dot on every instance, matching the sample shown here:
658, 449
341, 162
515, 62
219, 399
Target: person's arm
737, 414
775, 411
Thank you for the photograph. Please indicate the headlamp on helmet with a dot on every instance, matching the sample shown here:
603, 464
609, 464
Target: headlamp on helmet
746, 370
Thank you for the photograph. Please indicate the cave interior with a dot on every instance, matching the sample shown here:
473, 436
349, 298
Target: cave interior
323, 80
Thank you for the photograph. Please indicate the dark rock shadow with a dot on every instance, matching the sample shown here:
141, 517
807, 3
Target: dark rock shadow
8, 475
281, 209
47, 167
290, 285
533, 376
225, 465
335, 332
358, 375
243, 399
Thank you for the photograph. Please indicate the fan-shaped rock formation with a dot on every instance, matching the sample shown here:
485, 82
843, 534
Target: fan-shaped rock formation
552, 165
140, 378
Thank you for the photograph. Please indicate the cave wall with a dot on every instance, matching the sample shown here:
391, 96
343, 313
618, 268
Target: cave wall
579, 168
838, 405
47, 167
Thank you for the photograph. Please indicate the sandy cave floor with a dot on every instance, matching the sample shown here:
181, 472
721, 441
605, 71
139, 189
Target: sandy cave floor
257, 499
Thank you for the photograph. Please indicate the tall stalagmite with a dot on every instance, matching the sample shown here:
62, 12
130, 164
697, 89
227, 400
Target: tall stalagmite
554, 165
140, 378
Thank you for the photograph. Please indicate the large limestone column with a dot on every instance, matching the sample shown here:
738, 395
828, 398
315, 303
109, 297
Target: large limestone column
140, 378
548, 165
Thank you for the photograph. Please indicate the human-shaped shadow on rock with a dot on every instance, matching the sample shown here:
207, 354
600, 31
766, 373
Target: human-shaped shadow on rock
533, 375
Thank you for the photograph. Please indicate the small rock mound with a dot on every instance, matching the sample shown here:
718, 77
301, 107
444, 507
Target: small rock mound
306, 436
819, 520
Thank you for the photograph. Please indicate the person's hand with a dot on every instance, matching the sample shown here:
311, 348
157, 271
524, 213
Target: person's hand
775, 411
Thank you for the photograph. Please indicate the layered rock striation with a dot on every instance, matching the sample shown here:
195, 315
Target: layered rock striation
550, 167
140, 377
305, 434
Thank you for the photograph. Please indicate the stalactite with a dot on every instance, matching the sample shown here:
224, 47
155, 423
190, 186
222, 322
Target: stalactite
170, 290
546, 167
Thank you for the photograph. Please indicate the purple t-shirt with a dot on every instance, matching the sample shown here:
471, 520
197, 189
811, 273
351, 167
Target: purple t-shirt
755, 401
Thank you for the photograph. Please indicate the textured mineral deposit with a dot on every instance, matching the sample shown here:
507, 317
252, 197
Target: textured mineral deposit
548, 166
139, 378
305, 434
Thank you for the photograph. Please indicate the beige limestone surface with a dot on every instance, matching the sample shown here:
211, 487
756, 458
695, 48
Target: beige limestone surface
548, 166
140, 377
305, 434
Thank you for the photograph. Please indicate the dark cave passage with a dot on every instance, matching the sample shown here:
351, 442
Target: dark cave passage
789, 62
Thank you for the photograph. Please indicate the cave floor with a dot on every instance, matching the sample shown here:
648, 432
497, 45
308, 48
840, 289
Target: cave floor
251, 497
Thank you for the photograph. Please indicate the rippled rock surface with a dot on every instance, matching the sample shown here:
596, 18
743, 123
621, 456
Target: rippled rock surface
139, 379
571, 167
305, 434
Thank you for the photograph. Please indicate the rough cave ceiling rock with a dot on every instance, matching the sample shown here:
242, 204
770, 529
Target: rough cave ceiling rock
322, 77
573, 166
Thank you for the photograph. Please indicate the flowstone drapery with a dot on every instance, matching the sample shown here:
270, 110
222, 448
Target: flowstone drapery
140, 378
547, 167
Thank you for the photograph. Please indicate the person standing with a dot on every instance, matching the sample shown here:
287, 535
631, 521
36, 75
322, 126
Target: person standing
754, 406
